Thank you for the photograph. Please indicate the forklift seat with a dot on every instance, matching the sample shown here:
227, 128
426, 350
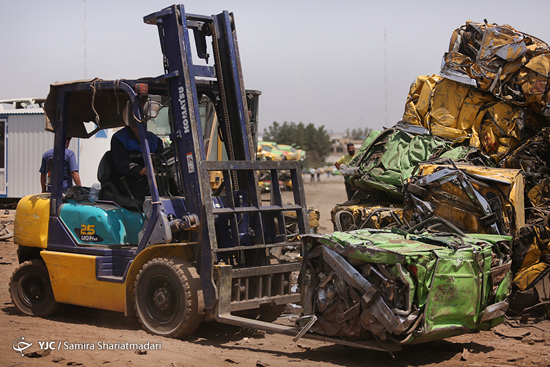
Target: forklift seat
109, 190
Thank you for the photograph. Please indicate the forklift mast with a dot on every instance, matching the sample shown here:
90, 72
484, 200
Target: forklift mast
186, 80
236, 232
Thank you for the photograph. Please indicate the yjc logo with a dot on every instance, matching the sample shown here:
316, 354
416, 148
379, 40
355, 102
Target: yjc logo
47, 345
19, 345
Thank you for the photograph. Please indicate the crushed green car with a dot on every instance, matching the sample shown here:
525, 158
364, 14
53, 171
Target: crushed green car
388, 288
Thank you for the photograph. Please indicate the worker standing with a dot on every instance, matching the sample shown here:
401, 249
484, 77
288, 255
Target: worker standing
350, 190
312, 173
70, 169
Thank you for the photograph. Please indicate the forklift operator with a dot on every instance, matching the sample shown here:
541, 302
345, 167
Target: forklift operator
127, 159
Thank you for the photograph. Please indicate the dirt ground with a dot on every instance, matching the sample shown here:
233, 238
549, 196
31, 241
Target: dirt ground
74, 330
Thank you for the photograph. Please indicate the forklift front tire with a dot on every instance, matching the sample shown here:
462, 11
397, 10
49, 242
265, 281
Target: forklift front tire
31, 291
168, 297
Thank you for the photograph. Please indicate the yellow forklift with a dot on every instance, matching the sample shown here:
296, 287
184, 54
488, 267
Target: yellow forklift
198, 246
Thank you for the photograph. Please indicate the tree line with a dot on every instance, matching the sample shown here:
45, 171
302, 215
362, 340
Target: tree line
315, 141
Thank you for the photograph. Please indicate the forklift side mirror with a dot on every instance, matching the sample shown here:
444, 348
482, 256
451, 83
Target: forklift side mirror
151, 109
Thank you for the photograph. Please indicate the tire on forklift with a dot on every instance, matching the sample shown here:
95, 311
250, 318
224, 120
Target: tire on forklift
168, 297
31, 290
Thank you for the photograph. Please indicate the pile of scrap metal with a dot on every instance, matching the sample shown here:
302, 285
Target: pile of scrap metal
291, 223
531, 263
504, 201
383, 165
475, 199
389, 288
493, 92
510, 65
464, 114
351, 217
473, 148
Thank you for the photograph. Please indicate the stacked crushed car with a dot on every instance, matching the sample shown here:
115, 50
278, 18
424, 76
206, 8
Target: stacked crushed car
469, 160
396, 288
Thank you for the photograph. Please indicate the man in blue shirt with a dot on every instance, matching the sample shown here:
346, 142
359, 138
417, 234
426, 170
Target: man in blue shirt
70, 169
127, 158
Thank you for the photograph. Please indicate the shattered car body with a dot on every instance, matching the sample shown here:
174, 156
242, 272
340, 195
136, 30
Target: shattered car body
387, 158
382, 169
291, 223
464, 114
393, 287
474, 199
533, 158
531, 261
511, 65
360, 215
532, 251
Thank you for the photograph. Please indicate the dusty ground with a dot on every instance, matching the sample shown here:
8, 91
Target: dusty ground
214, 344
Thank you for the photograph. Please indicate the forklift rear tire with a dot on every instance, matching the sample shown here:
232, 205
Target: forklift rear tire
31, 291
168, 297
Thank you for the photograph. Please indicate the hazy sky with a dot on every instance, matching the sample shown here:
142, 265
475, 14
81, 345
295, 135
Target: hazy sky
342, 64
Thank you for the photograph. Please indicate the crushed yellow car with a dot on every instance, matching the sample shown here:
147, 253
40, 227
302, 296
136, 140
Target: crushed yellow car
474, 199
460, 113
511, 65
